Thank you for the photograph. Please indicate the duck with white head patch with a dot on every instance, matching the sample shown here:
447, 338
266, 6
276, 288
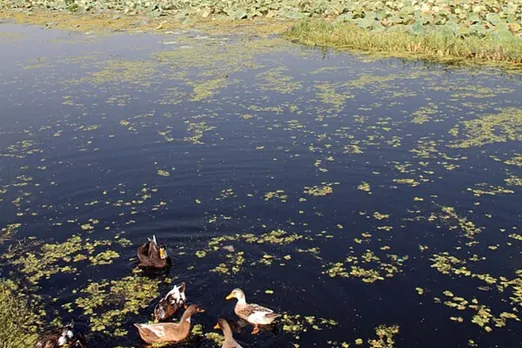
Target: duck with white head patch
168, 332
253, 313
61, 338
171, 303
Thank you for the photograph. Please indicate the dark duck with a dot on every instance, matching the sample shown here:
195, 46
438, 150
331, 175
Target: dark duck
153, 256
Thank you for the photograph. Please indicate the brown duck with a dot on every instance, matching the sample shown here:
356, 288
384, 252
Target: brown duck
253, 313
62, 337
229, 342
168, 332
171, 303
150, 255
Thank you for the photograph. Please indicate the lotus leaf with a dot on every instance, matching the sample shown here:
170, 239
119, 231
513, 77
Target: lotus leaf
365, 22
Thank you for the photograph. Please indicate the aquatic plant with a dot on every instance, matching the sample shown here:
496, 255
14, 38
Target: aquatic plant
431, 44
18, 320
108, 303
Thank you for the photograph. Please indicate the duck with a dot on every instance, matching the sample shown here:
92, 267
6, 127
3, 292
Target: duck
151, 255
229, 342
169, 332
252, 313
170, 304
61, 337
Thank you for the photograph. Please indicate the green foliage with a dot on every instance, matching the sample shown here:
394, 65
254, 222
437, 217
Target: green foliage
17, 319
465, 17
444, 43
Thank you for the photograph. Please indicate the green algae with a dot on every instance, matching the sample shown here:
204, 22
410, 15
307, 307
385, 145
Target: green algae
207, 89
367, 266
55, 258
324, 190
108, 303
489, 129
385, 336
19, 317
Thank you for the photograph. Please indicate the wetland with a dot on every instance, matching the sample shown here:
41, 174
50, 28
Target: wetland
372, 201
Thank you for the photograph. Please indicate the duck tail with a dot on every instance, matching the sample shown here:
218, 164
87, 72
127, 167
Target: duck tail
273, 315
154, 239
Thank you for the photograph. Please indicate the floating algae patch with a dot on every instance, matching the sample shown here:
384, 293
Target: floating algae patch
7, 232
482, 314
19, 316
330, 96
364, 186
234, 261
206, 89
455, 221
489, 190
196, 131
489, 129
515, 161
513, 180
55, 258
367, 266
323, 190
108, 303
448, 264
216, 338
296, 324
385, 336
137, 72
501, 288
424, 113
278, 194
276, 81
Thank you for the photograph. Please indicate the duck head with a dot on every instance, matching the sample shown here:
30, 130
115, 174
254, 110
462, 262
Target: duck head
236, 293
193, 309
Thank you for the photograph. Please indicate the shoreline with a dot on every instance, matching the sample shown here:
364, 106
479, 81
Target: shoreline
339, 36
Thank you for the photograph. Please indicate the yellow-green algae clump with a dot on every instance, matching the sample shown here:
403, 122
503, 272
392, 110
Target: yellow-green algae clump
18, 319
108, 303
489, 129
53, 258
368, 267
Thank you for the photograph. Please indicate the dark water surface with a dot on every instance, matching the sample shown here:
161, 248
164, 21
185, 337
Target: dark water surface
412, 220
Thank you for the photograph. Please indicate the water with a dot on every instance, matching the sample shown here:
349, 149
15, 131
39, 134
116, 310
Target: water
191, 137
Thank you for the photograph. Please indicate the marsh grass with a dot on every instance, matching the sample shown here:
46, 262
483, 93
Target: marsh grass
17, 318
434, 45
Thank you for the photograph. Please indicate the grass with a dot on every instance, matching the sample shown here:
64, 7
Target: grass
432, 45
17, 319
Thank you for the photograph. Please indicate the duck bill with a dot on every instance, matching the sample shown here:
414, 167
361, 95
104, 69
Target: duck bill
162, 254
201, 310
216, 326
229, 297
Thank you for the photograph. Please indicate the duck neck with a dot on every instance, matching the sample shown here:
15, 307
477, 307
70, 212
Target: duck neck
186, 317
241, 300
227, 332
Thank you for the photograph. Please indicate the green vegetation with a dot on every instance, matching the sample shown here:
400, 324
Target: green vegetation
433, 44
17, 319
442, 30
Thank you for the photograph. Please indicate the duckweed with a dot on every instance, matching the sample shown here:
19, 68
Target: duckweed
19, 317
108, 303
54, 258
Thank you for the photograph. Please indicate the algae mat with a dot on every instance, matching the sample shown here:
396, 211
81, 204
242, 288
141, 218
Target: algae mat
373, 202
